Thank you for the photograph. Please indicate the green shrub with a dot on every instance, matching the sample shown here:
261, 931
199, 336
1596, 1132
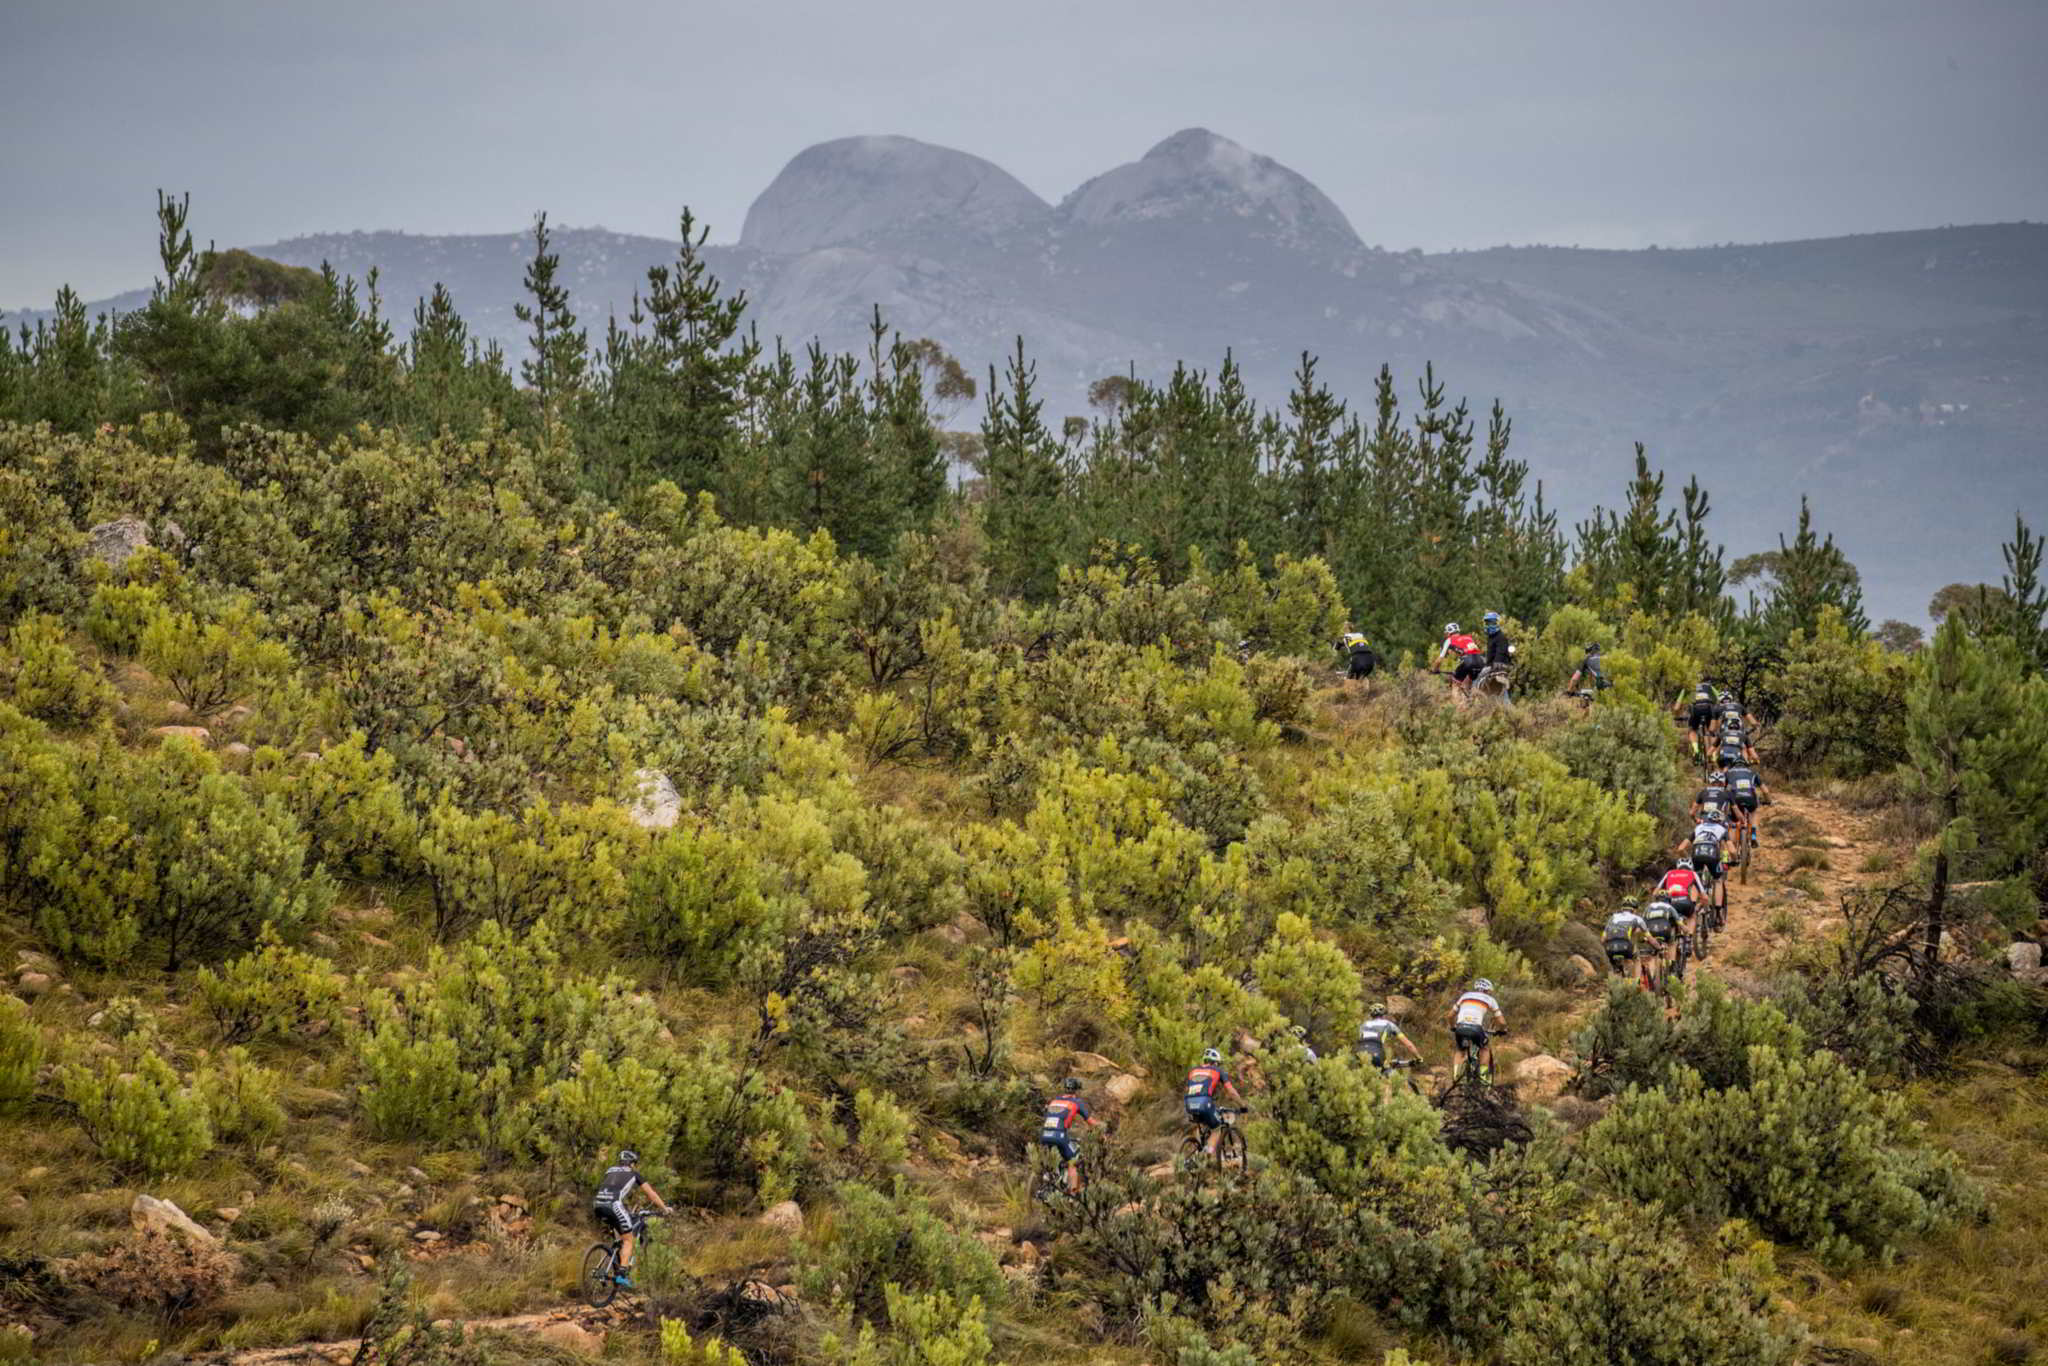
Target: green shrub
214, 665
1631, 1042
601, 1105
21, 1051
126, 599
43, 676
162, 849
241, 1099
39, 546
883, 1130
874, 1241
678, 1348
1806, 1150
1627, 749
558, 862
141, 1116
1311, 980
694, 900
924, 1330
272, 992
1338, 1123
349, 803
733, 1124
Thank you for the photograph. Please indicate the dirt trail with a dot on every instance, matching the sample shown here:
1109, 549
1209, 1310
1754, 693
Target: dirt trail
1813, 852
596, 1322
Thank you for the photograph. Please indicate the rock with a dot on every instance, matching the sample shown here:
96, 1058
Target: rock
572, 1337
359, 1170
32, 984
656, 803
1123, 1088
114, 542
364, 1261
427, 1236
1542, 1075
227, 1214
1399, 1006
198, 735
416, 1176
2023, 958
952, 934
36, 962
1162, 1171
1581, 969
512, 1201
786, 1217
35, 1173
236, 750
907, 973
148, 1212
1027, 1252
1092, 1065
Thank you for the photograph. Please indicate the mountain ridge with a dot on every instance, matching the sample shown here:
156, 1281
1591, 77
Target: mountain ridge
1869, 369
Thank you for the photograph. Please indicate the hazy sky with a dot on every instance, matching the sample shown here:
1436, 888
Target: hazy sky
1432, 124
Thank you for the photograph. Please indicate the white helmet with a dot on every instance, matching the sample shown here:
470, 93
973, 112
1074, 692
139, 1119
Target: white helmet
1685, 863
1212, 1056
1482, 985
1452, 628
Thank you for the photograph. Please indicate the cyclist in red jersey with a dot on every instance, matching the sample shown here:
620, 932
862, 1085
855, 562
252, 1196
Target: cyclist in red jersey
1471, 657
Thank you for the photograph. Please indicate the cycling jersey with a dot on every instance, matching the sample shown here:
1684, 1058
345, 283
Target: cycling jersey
1474, 1006
618, 1185
1378, 1035
1202, 1085
1742, 785
1662, 918
1702, 696
1711, 795
1460, 644
1060, 1113
1500, 651
1620, 928
1681, 883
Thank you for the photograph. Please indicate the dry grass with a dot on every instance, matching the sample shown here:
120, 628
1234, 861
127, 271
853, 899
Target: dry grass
1805, 858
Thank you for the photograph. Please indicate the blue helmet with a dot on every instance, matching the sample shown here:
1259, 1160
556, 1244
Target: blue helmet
1492, 620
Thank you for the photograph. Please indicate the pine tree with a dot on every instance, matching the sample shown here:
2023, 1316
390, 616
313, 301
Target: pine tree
559, 351
2018, 609
1811, 573
1024, 471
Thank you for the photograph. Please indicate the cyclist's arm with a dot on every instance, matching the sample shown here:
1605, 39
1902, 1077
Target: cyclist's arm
1409, 1044
655, 1196
1235, 1094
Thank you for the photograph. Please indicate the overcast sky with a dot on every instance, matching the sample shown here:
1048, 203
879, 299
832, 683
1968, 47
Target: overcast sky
1432, 124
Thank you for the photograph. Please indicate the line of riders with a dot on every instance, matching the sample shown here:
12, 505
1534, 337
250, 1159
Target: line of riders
1484, 662
1723, 817
1723, 813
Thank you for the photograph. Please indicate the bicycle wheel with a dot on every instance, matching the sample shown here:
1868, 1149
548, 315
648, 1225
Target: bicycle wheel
600, 1267
1192, 1152
1230, 1149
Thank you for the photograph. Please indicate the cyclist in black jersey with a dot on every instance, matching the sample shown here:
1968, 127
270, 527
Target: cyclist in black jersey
1698, 710
611, 1209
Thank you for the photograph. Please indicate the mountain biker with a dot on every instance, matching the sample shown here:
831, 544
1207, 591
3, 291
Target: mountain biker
1055, 1126
1730, 711
1470, 657
1500, 651
611, 1210
1308, 1052
1709, 837
1715, 793
1700, 715
1662, 918
1469, 1023
1746, 789
1199, 1094
1628, 939
1589, 674
1681, 887
1359, 656
1378, 1031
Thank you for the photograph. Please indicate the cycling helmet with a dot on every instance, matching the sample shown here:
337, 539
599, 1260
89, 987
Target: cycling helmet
1212, 1056
1685, 863
1592, 649
1717, 776
1482, 985
1301, 1031
1727, 696
1711, 811
1377, 1009
1492, 621
629, 1157
1452, 628
1071, 1084
1629, 903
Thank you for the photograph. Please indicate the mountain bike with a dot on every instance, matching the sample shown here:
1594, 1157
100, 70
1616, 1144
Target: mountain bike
1229, 1154
600, 1279
1397, 1067
1470, 1071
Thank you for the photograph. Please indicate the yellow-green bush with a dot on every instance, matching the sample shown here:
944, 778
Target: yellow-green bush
874, 1241
21, 1051
272, 992
140, 1114
43, 676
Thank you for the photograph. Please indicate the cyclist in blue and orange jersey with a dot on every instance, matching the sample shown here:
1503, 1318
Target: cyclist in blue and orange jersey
1471, 657
1055, 1129
1205, 1082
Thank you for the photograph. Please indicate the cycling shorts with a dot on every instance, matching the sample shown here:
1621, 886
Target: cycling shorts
1203, 1112
615, 1218
1064, 1144
1619, 950
1747, 801
1469, 1035
1664, 930
1468, 667
1701, 716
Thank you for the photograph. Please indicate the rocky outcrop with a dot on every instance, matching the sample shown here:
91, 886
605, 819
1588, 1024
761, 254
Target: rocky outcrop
862, 189
151, 1215
1195, 174
656, 803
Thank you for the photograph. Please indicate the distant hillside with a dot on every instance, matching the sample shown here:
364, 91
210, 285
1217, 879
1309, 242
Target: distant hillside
1896, 377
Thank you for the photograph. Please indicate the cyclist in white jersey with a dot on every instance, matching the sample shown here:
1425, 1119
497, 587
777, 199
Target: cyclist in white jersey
1469, 1019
